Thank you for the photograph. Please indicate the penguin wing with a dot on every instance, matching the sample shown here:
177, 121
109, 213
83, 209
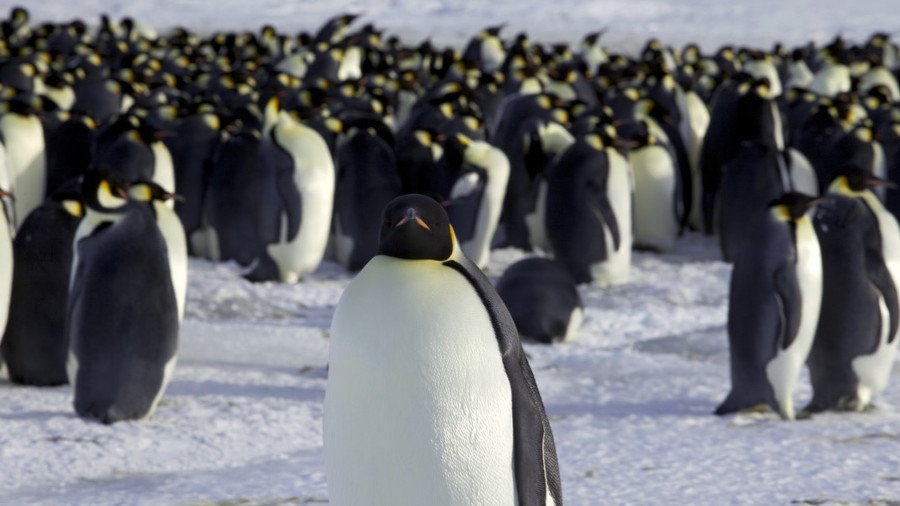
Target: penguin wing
880, 276
788, 296
465, 202
599, 203
287, 189
534, 452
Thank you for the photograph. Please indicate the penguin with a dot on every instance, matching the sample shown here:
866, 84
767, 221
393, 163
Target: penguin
541, 148
196, 137
232, 200
856, 342
156, 197
543, 300
588, 222
656, 192
367, 179
68, 149
122, 313
452, 399
6, 262
34, 346
476, 198
486, 49
23, 137
773, 307
304, 232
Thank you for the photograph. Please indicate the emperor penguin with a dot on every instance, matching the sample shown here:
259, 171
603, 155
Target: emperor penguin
543, 300
589, 202
122, 313
172, 232
23, 137
367, 179
34, 346
773, 307
486, 49
656, 192
437, 379
304, 237
476, 198
856, 344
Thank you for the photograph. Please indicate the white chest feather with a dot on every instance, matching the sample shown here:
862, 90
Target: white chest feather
314, 179
418, 406
496, 165
655, 222
6, 270
176, 246
26, 162
163, 169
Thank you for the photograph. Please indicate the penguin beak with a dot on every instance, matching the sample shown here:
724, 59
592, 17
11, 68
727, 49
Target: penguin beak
412, 216
4, 193
877, 181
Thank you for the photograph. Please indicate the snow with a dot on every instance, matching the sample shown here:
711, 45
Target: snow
630, 400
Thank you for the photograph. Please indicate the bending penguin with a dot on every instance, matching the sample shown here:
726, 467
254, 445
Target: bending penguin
773, 307
856, 344
476, 198
122, 313
435, 378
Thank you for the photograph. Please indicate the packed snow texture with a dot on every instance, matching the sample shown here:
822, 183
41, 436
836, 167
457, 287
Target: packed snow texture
630, 400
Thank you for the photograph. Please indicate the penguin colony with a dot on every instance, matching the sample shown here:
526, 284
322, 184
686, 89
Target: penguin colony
123, 151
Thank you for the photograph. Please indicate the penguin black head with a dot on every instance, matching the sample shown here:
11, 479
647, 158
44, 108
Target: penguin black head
416, 227
792, 206
851, 180
104, 190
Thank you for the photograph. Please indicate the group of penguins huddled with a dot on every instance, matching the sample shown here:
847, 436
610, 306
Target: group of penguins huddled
124, 151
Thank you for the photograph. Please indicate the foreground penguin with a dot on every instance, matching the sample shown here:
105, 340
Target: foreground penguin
435, 378
122, 315
773, 307
34, 346
856, 344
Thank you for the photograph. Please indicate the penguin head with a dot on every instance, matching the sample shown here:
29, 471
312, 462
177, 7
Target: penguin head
792, 206
416, 227
853, 181
104, 190
147, 191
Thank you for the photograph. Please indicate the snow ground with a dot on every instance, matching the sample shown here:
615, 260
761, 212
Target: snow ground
630, 403
630, 400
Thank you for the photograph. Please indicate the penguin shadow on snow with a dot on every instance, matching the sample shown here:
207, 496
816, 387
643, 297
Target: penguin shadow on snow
199, 388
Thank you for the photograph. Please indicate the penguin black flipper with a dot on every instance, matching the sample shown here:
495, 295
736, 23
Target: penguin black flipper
787, 293
600, 203
534, 455
291, 199
880, 277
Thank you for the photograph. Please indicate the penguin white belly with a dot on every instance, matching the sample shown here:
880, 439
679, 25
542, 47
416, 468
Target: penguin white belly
418, 405
655, 223
783, 371
873, 370
314, 178
25, 159
496, 166
615, 270
536, 221
6, 270
572, 328
176, 246
63, 96
163, 169
699, 118
879, 168
803, 176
